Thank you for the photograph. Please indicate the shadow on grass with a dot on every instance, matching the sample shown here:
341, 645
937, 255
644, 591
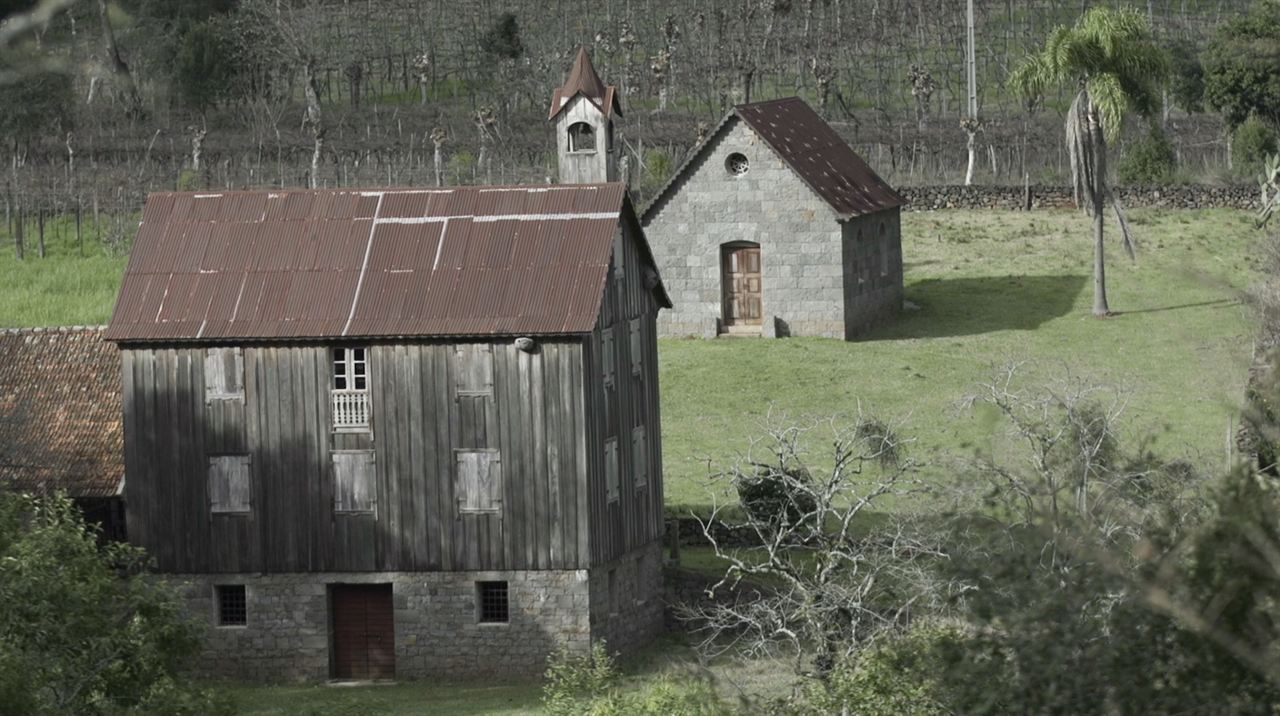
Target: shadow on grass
1220, 303
972, 306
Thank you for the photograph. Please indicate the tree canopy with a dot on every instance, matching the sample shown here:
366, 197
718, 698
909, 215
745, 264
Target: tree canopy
1242, 66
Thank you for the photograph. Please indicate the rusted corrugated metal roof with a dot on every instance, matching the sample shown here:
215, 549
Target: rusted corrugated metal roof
397, 262
584, 80
813, 150
61, 420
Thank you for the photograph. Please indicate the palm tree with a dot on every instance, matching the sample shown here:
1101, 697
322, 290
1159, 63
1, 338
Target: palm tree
1111, 56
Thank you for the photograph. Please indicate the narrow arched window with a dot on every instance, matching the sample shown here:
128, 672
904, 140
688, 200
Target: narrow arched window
582, 137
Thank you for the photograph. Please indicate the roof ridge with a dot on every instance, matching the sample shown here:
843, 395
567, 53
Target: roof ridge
34, 330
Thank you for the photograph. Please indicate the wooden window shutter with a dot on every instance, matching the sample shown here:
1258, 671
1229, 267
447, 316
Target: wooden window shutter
637, 347
478, 481
230, 488
354, 481
223, 374
640, 455
474, 369
608, 356
611, 468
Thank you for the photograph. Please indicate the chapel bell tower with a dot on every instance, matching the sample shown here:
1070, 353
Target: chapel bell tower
583, 111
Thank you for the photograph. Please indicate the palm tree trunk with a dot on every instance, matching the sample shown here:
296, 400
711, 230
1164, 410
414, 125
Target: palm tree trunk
1098, 190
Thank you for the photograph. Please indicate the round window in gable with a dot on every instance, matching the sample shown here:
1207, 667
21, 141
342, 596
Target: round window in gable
736, 164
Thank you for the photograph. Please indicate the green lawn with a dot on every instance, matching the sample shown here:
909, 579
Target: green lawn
992, 287
411, 697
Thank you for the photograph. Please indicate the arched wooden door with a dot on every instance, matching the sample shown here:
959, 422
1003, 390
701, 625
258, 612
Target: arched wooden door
740, 279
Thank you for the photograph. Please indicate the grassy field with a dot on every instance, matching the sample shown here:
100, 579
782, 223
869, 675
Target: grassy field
991, 287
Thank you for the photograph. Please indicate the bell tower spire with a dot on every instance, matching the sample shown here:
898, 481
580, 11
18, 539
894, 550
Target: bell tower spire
583, 110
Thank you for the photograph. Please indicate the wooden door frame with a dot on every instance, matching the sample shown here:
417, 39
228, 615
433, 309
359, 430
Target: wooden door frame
725, 302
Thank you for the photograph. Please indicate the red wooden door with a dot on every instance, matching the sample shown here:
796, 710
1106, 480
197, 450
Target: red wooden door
741, 285
364, 644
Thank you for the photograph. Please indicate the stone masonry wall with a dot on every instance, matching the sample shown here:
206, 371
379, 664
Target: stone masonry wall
872, 270
436, 629
928, 198
627, 608
800, 241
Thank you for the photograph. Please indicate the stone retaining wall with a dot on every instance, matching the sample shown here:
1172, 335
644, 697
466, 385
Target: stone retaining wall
929, 198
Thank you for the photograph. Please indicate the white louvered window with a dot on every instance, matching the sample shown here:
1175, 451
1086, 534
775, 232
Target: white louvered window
478, 481
230, 486
354, 481
611, 479
350, 390
223, 374
640, 456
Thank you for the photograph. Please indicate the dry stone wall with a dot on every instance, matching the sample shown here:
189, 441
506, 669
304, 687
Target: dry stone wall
930, 198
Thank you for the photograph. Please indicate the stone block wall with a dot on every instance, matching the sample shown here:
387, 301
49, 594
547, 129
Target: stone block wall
437, 632
872, 270
799, 238
627, 599
929, 198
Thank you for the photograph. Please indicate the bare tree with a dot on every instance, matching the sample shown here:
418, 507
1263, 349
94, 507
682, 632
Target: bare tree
120, 69
438, 137
824, 588
922, 87
422, 67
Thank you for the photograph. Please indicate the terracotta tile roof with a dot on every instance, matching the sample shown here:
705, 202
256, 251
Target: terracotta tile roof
61, 417
584, 80
813, 150
380, 263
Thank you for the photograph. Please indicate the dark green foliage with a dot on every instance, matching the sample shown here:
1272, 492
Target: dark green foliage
83, 629
776, 495
35, 105
1242, 66
503, 39
206, 69
1186, 83
1253, 141
1150, 160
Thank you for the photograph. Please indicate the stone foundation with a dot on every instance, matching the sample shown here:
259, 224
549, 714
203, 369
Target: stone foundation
437, 632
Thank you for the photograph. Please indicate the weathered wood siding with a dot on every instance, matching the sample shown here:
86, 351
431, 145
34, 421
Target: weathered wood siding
635, 518
532, 413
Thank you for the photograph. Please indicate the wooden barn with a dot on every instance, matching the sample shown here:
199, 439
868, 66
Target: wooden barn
396, 433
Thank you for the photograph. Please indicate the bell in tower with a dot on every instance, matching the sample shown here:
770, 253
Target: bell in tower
583, 111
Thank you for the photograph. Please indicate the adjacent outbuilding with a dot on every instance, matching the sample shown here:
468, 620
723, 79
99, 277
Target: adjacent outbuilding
774, 226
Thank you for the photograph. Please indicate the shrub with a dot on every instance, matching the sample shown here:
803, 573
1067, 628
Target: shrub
188, 180
83, 629
572, 680
1253, 142
585, 685
1150, 160
776, 495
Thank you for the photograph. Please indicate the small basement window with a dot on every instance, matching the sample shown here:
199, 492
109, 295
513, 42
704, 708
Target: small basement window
736, 164
232, 605
493, 602
582, 138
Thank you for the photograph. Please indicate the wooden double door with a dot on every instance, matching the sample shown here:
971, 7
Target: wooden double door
364, 638
740, 272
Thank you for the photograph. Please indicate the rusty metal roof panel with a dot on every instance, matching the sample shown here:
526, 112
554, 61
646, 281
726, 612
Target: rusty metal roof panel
331, 263
820, 157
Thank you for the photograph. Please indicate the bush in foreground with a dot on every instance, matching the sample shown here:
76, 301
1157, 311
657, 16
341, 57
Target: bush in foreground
82, 628
588, 685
